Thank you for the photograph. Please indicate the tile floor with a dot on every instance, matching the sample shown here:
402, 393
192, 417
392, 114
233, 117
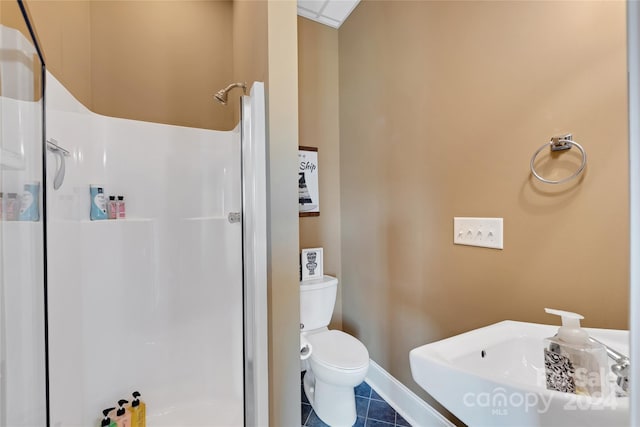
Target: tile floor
372, 410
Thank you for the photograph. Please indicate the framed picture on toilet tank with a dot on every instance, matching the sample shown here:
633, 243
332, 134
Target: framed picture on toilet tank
308, 192
311, 263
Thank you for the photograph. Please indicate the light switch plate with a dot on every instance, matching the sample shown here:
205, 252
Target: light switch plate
483, 232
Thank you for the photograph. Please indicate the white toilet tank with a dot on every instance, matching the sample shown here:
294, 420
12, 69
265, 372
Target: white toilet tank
317, 300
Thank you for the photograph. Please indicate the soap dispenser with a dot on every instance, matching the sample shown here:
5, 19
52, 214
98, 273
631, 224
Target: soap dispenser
123, 417
106, 421
573, 363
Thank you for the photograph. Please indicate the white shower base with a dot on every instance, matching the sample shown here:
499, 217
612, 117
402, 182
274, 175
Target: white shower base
221, 413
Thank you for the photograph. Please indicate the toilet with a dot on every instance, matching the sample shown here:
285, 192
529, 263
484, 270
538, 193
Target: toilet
337, 362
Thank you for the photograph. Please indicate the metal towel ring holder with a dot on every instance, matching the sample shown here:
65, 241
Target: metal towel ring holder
560, 143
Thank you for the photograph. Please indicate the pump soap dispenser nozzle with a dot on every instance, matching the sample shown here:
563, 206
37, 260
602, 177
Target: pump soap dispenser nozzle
106, 421
121, 404
570, 330
136, 401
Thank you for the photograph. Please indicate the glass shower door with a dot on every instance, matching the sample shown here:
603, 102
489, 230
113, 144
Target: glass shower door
23, 400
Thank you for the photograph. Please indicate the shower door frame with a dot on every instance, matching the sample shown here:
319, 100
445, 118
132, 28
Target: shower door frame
43, 215
254, 256
633, 68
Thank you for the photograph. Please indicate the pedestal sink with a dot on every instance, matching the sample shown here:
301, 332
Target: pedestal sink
495, 376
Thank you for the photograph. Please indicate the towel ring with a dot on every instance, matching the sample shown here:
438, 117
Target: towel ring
559, 143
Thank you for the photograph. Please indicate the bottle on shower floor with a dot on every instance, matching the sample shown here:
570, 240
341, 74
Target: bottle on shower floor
123, 417
138, 411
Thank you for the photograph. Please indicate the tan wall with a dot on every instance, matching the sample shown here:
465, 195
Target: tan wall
284, 297
138, 60
250, 50
11, 17
442, 105
318, 107
64, 30
162, 61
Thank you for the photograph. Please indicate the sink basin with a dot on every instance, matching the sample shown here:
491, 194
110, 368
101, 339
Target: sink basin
495, 376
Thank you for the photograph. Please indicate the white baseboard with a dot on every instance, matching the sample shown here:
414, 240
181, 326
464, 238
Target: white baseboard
413, 409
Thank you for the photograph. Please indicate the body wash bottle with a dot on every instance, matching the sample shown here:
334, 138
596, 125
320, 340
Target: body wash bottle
573, 363
112, 208
123, 417
138, 411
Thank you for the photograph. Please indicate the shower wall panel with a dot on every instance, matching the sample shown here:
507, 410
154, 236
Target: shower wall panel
152, 302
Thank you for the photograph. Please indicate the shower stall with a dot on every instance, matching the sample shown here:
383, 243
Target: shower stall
169, 301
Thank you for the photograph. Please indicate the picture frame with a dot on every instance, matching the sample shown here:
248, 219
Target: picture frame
312, 263
308, 191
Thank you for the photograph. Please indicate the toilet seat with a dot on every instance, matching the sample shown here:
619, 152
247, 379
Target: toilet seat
338, 350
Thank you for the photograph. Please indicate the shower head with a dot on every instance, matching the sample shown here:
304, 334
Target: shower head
221, 95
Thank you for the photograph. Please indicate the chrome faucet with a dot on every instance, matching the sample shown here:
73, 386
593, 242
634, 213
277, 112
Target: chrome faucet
620, 367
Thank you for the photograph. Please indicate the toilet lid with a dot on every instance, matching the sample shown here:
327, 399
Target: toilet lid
339, 350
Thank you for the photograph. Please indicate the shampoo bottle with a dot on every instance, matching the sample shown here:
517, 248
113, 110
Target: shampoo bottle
123, 417
30, 201
138, 411
121, 208
106, 421
98, 203
573, 363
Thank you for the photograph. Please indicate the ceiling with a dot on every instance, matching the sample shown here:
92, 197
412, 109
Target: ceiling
328, 12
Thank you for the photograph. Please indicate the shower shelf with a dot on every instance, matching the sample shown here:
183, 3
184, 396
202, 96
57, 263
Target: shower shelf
10, 160
206, 218
135, 219
114, 221
17, 223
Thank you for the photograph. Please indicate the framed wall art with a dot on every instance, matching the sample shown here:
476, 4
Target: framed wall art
311, 263
308, 192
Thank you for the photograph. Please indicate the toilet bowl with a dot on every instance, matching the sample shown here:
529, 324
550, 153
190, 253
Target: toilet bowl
337, 363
